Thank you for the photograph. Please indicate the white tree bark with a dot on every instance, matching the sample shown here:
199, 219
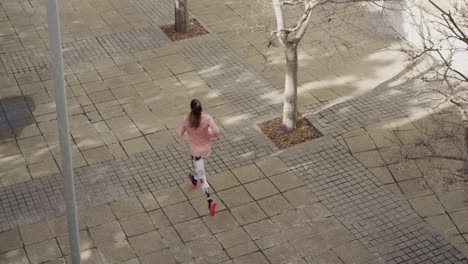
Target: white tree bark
290, 88
181, 16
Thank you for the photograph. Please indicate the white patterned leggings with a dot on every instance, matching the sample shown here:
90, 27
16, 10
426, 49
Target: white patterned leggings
200, 176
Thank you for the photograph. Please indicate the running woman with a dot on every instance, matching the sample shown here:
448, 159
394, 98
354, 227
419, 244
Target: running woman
200, 128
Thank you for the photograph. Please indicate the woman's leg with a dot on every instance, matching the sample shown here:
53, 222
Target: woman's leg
198, 164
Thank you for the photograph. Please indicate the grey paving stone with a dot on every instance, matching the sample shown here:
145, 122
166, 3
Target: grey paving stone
256, 257
146, 243
204, 246
248, 173
427, 205
222, 222
192, 230
170, 196
327, 257
85, 242
10, 240
180, 212
159, 218
136, 224
170, 236
261, 189
300, 197
89, 256
248, 213
36, 232
284, 253
261, 229
235, 196
233, 237
127, 207
275, 205
43, 251
17, 256
242, 250
353, 252
286, 181
98, 215
163, 256
272, 166
107, 233
116, 252
222, 181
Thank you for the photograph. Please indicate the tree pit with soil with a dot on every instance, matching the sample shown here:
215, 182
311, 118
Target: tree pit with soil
304, 131
195, 29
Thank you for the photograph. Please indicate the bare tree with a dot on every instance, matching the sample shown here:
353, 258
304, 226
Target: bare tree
442, 62
181, 16
290, 37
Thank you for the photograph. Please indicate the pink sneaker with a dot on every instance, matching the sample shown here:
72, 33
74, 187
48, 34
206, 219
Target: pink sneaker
212, 206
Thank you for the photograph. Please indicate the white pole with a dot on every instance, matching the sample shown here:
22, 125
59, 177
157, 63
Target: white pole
62, 123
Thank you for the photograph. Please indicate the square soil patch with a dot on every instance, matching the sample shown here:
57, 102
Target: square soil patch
195, 29
304, 131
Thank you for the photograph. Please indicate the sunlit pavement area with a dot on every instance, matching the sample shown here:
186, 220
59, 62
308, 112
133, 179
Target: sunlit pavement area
373, 189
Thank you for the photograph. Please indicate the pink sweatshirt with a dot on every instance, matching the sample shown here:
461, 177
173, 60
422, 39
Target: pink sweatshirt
199, 137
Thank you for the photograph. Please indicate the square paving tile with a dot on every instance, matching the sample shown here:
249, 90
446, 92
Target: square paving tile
443, 224
242, 250
43, 251
146, 243
248, 213
290, 219
136, 224
275, 205
284, 253
327, 257
261, 229
85, 242
204, 246
164, 257
235, 196
97, 155
370, 159
317, 211
272, 166
169, 196
200, 204
10, 240
461, 220
360, 143
170, 236
248, 173
222, 222
148, 201
261, 189
286, 181
90, 256
233, 237
300, 197
116, 252
17, 256
223, 181
136, 145
107, 233
159, 218
98, 215
34, 233
192, 229
383, 174
127, 207
405, 170
257, 258
415, 187
353, 252
427, 205
180, 212
311, 245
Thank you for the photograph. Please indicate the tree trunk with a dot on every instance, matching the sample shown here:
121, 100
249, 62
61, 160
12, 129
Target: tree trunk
465, 167
181, 16
290, 89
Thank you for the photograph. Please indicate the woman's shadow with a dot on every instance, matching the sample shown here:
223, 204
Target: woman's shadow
16, 114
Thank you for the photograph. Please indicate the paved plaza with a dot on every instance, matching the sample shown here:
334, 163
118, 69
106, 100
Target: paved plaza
373, 189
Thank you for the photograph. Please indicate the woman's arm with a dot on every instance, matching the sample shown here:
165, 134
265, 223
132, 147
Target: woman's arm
182, 128
214, 127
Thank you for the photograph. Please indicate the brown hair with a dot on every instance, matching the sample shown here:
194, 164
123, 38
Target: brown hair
195, 114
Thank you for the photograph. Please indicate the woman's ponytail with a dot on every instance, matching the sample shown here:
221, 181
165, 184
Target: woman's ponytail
195, 114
